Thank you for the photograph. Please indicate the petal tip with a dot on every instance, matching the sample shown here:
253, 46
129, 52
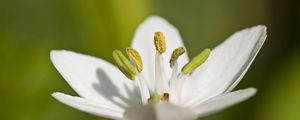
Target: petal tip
262, 28
56, 94
157, 20
57, 54
154, 17
252, 91
54, 53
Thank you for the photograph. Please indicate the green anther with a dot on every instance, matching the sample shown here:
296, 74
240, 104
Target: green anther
196, 61
124, 64
154, 98
159, 42
176, 53
136, 58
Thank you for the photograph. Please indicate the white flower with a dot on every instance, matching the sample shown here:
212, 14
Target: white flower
159, 91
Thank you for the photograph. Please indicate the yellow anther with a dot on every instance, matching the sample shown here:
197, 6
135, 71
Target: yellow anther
159, 42
136, 58
124, 64
196, 62
176, 53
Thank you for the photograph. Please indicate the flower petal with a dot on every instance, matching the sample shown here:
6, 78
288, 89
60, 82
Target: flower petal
159, 112
226, 65
95, 79
223, 101
143, 42
88, 106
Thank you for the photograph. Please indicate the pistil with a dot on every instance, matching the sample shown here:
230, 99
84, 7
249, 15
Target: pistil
165, 98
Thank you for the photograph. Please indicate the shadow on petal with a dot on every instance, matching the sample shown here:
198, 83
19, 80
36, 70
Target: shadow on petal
111, 92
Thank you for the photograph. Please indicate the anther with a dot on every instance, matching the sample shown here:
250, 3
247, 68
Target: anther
176, 53
136, 58
196, 62
159, 42
124, 64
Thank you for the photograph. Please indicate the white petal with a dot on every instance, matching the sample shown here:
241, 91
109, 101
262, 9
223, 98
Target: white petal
143, 42
223, 101
88, 106
95, 79
226, 65
159, 112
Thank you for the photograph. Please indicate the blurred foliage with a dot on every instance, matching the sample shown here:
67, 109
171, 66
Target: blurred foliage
30, 29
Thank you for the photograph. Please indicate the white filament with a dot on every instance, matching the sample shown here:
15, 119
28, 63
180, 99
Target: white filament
143, 88
173, 82
161, 84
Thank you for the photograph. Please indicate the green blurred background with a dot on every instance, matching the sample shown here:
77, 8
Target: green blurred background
29, 29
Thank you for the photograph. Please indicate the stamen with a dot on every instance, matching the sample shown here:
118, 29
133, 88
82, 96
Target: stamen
196, 62
124, 64
161, 84
140, 83
136, 58
176, 53
159, 42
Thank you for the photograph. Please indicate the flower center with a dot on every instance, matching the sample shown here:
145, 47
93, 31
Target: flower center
165, 90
